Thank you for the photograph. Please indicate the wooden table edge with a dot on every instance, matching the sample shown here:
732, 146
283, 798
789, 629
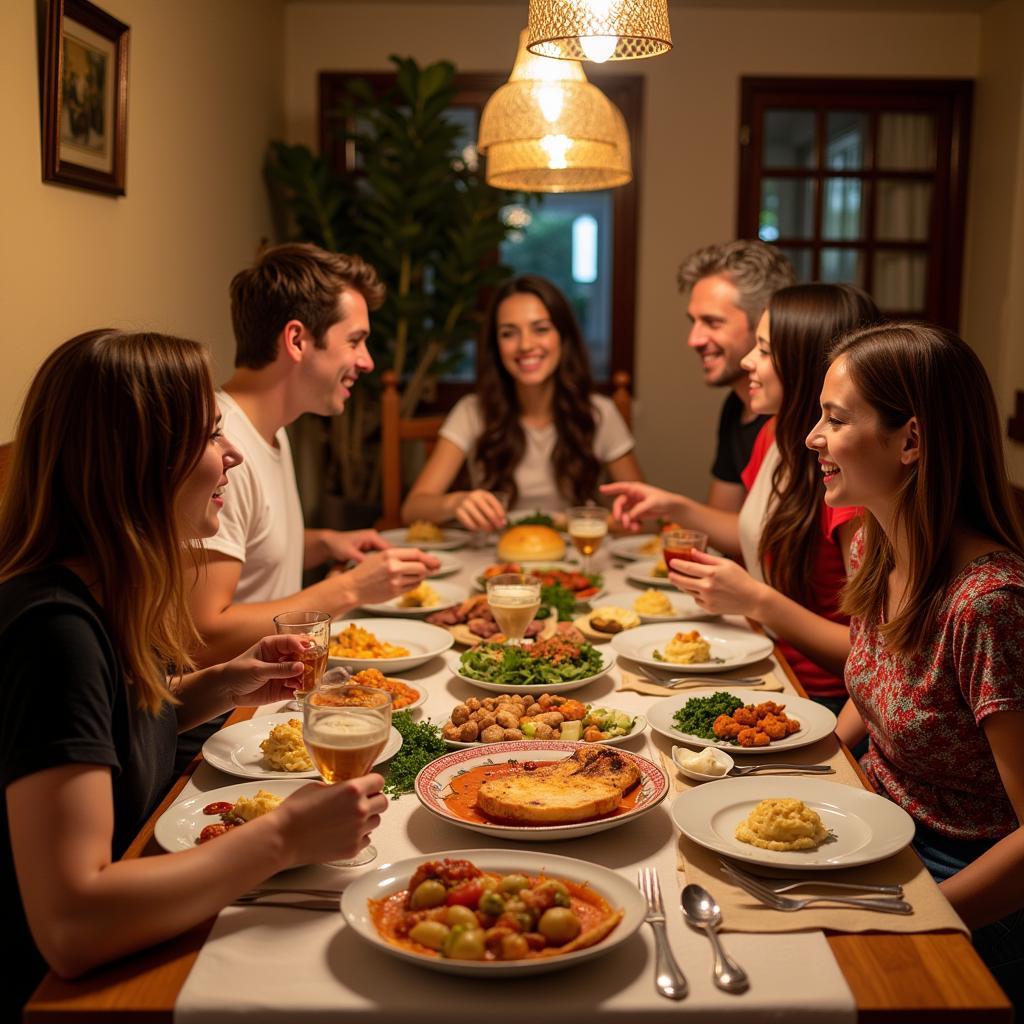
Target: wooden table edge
143, 989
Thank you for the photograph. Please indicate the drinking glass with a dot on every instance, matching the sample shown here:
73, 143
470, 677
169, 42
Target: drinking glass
316, 626
345, 726
681, 544
588, 526
514, 598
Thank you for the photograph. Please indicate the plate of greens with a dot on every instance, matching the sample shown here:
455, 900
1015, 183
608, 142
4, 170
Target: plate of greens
548, 666
690, 719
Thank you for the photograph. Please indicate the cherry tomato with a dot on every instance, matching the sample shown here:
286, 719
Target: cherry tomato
220, 807
582, 595
465, 895
212, 831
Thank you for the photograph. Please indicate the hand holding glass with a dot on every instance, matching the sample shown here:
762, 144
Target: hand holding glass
345, 726
316, 626
514, 598
681, 544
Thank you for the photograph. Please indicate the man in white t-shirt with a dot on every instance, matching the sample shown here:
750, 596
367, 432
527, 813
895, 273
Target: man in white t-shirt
301, 322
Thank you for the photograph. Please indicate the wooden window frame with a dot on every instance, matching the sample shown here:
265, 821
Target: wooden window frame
473, 90
950, 101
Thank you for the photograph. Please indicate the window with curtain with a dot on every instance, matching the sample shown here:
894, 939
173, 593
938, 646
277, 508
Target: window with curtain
861, 181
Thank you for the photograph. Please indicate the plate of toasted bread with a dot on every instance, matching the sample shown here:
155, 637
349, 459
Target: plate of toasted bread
541, 791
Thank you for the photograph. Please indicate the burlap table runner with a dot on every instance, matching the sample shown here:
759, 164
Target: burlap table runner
767, 669
742, 913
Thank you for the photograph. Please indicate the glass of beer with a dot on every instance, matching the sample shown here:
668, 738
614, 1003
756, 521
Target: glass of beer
514, 598
681, 544
317, 627
588, 526
345, 726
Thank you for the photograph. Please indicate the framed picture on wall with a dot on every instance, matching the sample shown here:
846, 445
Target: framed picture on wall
85, 97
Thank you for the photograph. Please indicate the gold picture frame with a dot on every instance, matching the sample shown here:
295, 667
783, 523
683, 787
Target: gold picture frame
85, 97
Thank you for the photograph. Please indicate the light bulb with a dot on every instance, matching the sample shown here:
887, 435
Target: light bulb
598, 48
550, 98
556, 147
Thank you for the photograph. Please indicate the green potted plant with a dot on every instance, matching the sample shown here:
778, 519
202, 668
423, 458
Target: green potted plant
423, 215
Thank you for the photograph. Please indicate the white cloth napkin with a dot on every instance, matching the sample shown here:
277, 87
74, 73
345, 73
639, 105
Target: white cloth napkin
277, 965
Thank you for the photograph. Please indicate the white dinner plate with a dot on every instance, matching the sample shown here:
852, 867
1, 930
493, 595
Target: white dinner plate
631, 547
422, 640
731, 646
683, 606
236, 749
816, 721
433, 784
449, 593
866, 827
639, 724
450, 539
643, 574
607, 661
390, 878
449, 564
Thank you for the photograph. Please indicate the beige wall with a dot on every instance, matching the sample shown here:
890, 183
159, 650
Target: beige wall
690, 158
205, 97
993, 316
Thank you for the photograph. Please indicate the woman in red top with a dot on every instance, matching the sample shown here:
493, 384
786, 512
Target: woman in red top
909, 430
794, 546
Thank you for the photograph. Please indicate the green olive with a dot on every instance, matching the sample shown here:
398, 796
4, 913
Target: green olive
460, 915
558, 891
431, 934
514, 947
430, 893
559, 925
491, 903
513, 883
464, 943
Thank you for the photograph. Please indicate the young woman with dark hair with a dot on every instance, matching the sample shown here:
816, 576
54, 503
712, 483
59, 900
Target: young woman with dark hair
535, 430
909, 430
118, 469
795, 547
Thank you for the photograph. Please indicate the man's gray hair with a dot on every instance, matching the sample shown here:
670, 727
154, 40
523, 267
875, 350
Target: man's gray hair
757, 270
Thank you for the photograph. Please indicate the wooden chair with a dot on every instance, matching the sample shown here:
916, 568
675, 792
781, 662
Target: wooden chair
6, 450
394, 429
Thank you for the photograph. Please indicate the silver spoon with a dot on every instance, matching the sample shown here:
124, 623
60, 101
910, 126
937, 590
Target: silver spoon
701, 911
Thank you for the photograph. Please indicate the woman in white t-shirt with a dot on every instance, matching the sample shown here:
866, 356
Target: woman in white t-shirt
535, 431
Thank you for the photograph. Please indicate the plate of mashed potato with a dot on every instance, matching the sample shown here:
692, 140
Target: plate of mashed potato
793, 822
271, 747
427, 536
693, 646
657, 605
429, 597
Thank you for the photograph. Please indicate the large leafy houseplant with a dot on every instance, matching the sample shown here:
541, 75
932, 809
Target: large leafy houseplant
419, 211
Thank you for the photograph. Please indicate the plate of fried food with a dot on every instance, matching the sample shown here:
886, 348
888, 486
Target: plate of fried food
421, 601
271, 747
510, 717
693, 646
540, 790
391, 645
601, 624
427, 536
727, 719
439, 913
471, 621
793, 823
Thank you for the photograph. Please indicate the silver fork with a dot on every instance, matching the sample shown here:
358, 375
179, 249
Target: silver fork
328, 906
777, 902
255, 894
669, 979
781, 885
739, 770
673, 683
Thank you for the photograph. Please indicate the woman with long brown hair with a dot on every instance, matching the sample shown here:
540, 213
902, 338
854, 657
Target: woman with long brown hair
910, 431
795, 548
535, 431
118, 469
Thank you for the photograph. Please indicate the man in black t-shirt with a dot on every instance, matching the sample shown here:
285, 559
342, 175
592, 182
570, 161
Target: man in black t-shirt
729, 285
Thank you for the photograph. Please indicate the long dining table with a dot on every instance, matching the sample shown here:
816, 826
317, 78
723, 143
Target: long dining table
924, 977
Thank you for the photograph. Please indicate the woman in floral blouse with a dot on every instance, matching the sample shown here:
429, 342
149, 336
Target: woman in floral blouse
910, 431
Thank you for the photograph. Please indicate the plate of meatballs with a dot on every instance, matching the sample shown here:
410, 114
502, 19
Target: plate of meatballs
768, 727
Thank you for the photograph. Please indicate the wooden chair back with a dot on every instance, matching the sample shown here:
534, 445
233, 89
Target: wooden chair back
395, 429
6, 451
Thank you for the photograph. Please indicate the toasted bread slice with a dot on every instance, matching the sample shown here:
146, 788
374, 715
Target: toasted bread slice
586, 785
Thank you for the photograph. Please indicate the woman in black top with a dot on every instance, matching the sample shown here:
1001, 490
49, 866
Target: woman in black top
117, 470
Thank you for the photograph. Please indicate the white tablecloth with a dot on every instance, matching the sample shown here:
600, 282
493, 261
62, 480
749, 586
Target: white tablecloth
282, 965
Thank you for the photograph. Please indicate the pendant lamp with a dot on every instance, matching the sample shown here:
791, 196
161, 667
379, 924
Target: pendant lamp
548, 129
599, 30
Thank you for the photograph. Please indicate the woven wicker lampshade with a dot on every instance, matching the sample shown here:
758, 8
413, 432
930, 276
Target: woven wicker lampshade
599, 30
547, 129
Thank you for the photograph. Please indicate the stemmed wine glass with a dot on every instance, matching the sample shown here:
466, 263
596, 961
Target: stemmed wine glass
588, 526
345, 726
514, 598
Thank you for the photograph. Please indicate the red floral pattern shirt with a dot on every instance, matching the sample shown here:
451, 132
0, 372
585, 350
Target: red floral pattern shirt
928, 752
